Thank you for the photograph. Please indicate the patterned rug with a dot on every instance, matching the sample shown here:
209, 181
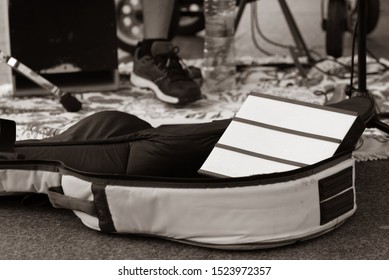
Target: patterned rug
40, 117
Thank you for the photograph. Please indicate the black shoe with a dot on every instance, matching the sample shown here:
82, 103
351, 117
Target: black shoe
163, 72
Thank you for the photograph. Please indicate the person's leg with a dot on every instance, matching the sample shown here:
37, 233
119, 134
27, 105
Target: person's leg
157, 16
157, 65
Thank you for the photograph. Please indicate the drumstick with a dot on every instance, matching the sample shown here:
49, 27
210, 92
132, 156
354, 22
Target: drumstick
69, 102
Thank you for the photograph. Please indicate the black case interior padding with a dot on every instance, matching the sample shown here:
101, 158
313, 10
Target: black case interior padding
112, 142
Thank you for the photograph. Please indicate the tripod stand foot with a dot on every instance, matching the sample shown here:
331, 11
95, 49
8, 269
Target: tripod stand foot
375, 122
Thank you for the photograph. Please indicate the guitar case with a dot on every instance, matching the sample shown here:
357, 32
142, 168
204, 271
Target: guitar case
121, 175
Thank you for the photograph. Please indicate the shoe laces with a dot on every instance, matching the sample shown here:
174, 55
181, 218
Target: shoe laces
172, 64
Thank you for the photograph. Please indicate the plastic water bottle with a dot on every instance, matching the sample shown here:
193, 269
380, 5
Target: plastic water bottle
219, 50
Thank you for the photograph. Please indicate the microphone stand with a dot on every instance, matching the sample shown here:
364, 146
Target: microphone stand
362, 90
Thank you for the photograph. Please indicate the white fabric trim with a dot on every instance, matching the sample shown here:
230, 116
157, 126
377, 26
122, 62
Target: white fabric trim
267, 213
27, 181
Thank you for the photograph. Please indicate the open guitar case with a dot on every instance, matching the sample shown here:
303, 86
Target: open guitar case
121, 175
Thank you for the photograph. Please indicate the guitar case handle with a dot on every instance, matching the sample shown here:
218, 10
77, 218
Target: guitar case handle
59, 200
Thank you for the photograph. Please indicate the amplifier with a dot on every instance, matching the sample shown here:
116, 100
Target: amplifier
72, 43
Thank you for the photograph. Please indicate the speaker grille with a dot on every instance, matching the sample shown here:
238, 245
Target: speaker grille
71, 43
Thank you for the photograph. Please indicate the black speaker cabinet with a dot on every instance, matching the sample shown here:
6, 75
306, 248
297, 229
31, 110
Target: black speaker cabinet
72, 43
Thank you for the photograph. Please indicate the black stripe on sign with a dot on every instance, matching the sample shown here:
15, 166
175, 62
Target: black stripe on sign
302, 103
335, 183
258, 155
102, 208
336, 206
289, 131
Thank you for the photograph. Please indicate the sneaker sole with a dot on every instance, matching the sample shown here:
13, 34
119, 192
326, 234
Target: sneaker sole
144, 83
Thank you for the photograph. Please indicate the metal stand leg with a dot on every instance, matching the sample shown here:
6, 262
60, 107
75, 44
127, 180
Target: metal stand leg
242, 5
362, 87
294, 30
296, 34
